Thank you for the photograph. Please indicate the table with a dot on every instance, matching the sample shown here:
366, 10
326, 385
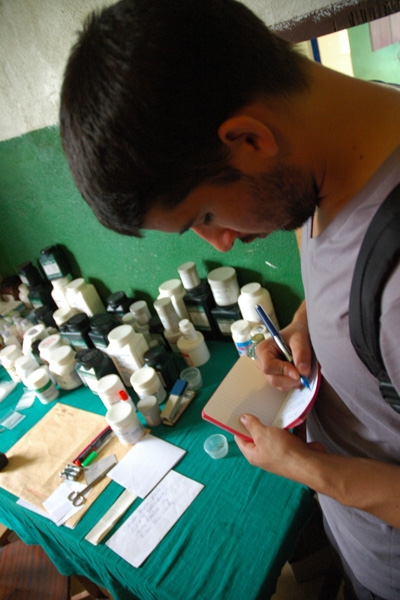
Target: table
230, 544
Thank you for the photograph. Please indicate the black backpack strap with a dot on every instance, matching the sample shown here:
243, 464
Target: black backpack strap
379, 254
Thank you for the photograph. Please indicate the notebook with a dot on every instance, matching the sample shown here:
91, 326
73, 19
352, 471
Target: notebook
245, 390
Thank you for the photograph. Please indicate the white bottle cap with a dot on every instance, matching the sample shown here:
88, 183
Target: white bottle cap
10, 354
37, 332
187, 329
61, 355
48, 344
76, 284
120, 415
61, 282
38, 378
62, 315
241, 328
144, 377
188, 274
121, 335
172, 287
251, 289
141, 312
224, 285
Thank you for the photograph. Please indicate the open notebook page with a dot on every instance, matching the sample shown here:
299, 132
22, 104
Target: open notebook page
245, 390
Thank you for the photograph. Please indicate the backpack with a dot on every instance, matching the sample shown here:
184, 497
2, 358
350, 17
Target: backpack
379, 254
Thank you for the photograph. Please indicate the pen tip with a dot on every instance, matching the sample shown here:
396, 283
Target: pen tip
305, 383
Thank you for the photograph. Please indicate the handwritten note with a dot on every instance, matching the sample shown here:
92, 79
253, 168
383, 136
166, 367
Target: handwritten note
146, 527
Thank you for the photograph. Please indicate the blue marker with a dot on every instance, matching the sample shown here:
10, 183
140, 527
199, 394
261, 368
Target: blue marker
278, 339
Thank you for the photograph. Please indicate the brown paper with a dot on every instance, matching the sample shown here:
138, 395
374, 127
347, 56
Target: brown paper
37, 459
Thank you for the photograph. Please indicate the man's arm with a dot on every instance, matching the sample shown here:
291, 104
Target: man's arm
368, 485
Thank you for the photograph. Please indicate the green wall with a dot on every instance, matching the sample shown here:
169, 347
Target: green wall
40, 206
382, 64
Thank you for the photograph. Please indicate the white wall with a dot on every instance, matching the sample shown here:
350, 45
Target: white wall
35, 39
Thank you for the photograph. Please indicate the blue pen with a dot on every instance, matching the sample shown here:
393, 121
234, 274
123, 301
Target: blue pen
278, 339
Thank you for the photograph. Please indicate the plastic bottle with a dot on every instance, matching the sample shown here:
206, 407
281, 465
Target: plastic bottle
54, 262
252, 294
8, 356
163, 362
118, 303
192, 345
37, 332
108, 389
170, 322
174, 289
126, 348
99, 328
62, 365
142, 314
91, 365
146, 382
199, 300
84, 297
241, 334
225, 289
59, 291
62, 315
24, 366
123, 421
76, 331
44, 387
48, 344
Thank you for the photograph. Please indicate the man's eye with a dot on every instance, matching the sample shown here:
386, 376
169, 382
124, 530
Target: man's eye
208, 219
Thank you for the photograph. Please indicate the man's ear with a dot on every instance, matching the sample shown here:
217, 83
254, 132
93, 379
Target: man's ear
247, 137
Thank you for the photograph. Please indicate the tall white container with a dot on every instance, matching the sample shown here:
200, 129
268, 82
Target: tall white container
84, 297
192, 345
170, 321
252, 294
123, 421
224, 285
174, 289
126, 349
59, 291
8, 357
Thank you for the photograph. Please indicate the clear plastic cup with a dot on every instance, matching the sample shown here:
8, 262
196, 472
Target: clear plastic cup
216, 445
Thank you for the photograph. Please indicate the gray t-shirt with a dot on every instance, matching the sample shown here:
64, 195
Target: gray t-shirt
350, 417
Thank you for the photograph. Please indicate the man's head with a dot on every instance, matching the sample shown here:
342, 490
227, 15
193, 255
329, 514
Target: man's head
146, 90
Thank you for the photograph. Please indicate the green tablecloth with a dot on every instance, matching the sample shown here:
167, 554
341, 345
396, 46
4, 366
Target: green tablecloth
230, 544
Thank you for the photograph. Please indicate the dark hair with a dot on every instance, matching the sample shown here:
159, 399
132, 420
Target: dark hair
147, 86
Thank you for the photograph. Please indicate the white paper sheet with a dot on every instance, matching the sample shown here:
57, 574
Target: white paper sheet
145, 528
146, 464
58, 505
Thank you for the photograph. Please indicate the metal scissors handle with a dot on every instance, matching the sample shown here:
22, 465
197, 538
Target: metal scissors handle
78, 498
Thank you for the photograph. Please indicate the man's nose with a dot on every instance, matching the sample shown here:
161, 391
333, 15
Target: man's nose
221, 238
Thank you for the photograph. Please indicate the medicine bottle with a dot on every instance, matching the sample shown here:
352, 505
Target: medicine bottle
59, 291
146, 382
199, 300
48, 344
123, 421
54, 262
44, 314
99, 328
126, 348
37, 332
91, 365
76, 331
43, 386
225, 289
62, 365
163, 361
24, 366
84, 297
192, 345
39, 288
23, 292
170, 322
109, 388
174, 289
118, 303
252, 294
142, 314
8, 356
241, 334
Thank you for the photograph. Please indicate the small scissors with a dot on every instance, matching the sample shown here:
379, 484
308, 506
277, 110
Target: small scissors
78, 498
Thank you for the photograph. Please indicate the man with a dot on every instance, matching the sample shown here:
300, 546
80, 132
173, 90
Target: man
190, 114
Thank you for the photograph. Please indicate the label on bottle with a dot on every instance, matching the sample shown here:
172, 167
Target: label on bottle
199, 318
51, 269
243, 347
225, 325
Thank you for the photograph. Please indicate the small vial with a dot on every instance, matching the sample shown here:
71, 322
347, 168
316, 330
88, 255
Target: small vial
192, 345
241, 335
123, 421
